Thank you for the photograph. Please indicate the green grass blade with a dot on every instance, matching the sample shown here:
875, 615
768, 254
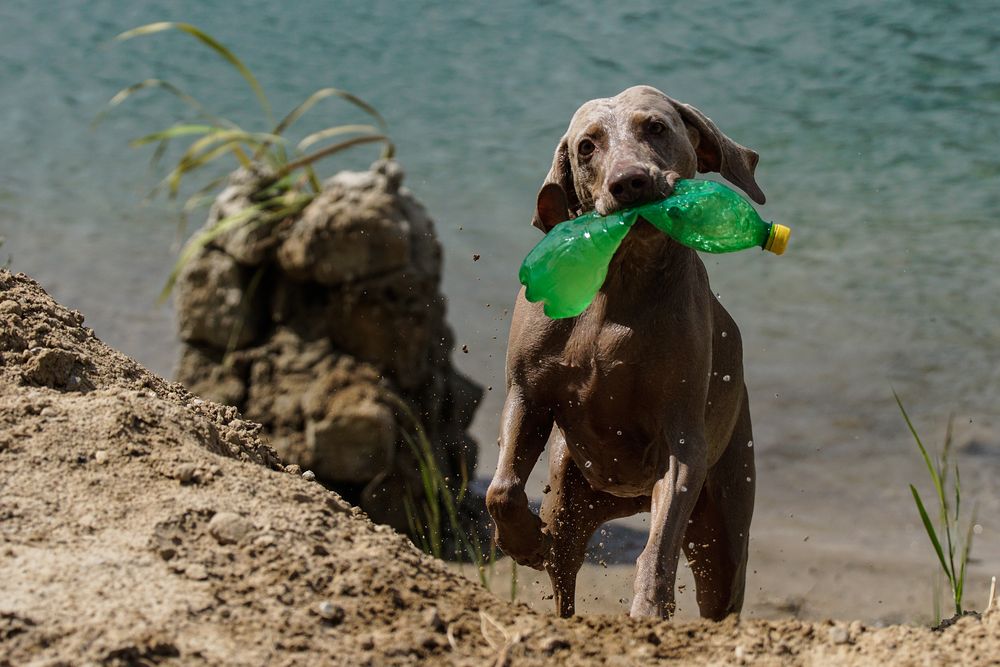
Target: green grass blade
335, 148
173, 179
966, 549
335, 131
129, 91
201, 152
958, 491
931, 533
285, 207
212, 43
322, 94
931, 468
158, 153
201, 240
172, 132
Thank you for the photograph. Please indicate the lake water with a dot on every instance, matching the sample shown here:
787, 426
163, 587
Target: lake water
877, 126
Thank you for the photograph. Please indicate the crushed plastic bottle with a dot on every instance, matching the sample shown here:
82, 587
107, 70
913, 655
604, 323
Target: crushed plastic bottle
567, 267
711, 217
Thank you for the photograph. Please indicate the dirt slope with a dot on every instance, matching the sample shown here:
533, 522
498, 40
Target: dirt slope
141, 525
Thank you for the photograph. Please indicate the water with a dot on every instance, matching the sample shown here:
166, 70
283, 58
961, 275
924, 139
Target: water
876, 124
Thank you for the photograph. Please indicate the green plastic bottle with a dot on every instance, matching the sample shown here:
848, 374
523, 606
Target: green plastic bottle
711, 217
567, 267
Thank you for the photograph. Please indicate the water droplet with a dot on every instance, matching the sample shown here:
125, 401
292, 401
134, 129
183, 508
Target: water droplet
619, 432
750, 444
587, 464
690, 545
681, 441
724, 334
683, 489
725, 378
977, 529
749, 480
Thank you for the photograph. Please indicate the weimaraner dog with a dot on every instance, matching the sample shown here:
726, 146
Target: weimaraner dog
645, 388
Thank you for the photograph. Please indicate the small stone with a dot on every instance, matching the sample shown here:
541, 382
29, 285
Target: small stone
839, 635
553, 644
100, 456
228, 527
265, 540
293, 469
9, 306
187, 473
332, 613
465, 348
196, 571
475, 257
309, 476
432, 619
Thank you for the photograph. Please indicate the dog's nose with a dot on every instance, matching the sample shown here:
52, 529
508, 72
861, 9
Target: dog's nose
631, 186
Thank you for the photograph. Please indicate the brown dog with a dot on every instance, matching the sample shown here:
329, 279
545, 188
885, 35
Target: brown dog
645, 387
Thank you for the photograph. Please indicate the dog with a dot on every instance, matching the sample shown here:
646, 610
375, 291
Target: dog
645, 388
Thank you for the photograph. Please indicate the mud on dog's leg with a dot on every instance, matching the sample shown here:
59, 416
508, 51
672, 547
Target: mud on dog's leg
673, 499
523, 432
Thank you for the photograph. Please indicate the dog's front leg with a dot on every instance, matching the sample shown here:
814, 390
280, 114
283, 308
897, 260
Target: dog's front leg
523, 433
673, 499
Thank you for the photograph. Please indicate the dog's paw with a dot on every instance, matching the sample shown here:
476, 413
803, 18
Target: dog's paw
528, 546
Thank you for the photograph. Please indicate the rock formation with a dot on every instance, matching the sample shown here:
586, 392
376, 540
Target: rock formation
327, 328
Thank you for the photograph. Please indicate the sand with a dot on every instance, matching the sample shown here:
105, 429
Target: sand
142, 525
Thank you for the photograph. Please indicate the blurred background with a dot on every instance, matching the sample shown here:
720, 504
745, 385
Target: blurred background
876, 124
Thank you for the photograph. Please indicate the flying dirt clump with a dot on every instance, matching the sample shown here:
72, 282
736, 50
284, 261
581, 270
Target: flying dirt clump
141, 525
320, 326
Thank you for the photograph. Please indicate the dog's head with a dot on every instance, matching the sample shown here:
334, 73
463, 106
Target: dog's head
629, 149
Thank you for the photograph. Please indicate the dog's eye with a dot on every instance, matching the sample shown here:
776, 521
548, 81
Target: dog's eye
656, 127
585, 147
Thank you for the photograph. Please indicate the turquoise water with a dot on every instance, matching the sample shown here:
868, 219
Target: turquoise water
877, 125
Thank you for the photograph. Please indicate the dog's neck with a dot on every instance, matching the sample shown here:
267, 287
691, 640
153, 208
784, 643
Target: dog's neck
647, 262
646, 270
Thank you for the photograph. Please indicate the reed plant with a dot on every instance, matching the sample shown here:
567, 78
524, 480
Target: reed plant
288, 179
434, 519
953, 551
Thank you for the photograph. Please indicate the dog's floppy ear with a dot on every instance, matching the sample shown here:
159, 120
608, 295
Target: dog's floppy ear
553, 207
717, 152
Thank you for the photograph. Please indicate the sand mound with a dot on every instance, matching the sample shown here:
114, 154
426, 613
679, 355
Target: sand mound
142, 525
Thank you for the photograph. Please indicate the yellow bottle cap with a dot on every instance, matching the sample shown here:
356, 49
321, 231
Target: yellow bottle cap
778, 240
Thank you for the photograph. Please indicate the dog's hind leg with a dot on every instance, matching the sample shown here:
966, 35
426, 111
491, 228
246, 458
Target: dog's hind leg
718, 536
572, 510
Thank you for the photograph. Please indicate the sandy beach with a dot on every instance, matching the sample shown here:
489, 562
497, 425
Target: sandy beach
177, 537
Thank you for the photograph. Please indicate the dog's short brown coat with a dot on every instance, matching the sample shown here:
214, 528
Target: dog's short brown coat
645, 388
